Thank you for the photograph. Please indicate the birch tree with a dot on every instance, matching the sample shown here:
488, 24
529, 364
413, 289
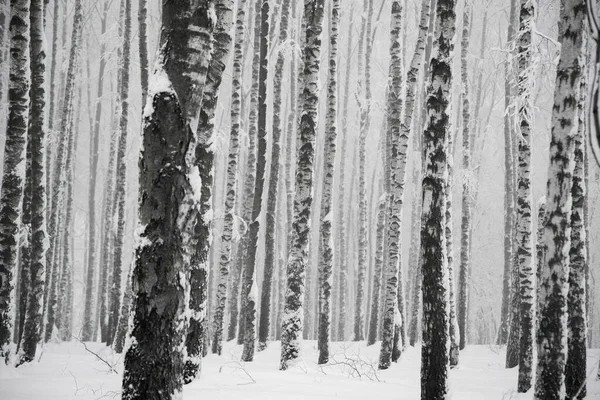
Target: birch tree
231, 194
394, 106
577, 321
365, 124
197, 333
58, 172
88, 314
120, 183
524, 195
14, 153
291, 325
168, 169
553, 284
509, 199
326, 238
270, 228
435, 351
342, 260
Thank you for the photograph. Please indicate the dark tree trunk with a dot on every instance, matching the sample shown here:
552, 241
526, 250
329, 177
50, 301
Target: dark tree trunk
436, 321
169, 197
270, 229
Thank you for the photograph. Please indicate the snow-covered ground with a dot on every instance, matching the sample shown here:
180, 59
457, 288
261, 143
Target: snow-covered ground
69, 371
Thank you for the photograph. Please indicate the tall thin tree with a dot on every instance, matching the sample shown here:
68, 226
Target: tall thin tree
554, 274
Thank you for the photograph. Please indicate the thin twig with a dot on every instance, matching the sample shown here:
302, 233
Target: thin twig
97, 356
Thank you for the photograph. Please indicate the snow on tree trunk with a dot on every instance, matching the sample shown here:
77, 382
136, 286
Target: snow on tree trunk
509, 203
326, 247
231, 194
365, 124
120, 184
465, 237
524, 195
250, 180
554, 276
57, 179
37, 231
88, 314
197, 336
593, 119
291, 327
395, 185
270, 228
575, 368
170, 195
342, 261
436, 321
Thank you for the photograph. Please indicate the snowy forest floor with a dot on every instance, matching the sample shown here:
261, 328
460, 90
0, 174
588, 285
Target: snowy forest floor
69, 371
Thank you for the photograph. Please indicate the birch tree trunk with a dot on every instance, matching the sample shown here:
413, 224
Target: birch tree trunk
465, 239
577, 321
454, 331
57, 186
378, 278
197, 333
88, 314
553, 284
143, 47
365, 123
343, 259
231, 194
270, 228
291, 327
120, 184
509, 200
250, 287
326, 249
436, 321
395, 185
524, 223
250, 179
36, 141
169, 205
13, 176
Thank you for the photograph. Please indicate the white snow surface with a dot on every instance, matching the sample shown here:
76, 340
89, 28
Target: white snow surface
68, 371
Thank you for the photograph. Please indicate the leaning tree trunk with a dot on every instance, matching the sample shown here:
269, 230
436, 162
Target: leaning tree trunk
168, 171
270, 231
14, 172
575, 369
197, 333
249, 288
365, 123
326, 217
230, 200
524, 195
88, 314
465, 237
121, 181
395, 185
291, 325
554, 276
509, 199
436, 321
